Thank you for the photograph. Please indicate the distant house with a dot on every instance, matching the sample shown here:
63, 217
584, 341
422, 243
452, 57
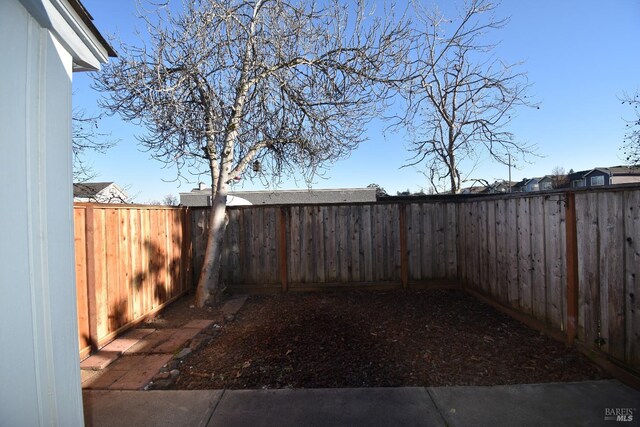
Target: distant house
598, 177
478, 189
545, 183
532, 185
202, 196
519, 187
500, 187
496, 187
99, 192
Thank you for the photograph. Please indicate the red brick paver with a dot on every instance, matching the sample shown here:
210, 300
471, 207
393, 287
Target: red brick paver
100, 360
148, 343
140, 374
125, 342
131, 361
176, 341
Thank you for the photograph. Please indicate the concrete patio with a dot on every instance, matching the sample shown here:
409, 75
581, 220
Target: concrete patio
591, 403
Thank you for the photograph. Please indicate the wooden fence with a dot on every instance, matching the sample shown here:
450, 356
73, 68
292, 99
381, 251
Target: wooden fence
568, 262
565, 263
130, 262
321, 246
513, 250
608, 301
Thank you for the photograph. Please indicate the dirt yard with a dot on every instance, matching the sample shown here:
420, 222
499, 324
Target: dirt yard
375, 339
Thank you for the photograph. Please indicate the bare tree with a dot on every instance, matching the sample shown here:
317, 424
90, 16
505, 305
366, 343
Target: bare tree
170, 200
631, 147
86, 137
461, 98
380, 192
559, 178
254, 87
167, 200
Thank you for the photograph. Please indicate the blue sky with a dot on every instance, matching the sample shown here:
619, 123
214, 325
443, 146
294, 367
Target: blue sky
580, 57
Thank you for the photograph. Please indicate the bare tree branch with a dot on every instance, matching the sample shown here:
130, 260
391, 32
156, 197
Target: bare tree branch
631, 147
86, 137
223, 84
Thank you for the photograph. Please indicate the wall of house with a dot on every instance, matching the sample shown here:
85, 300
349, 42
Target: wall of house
588, 177
112, 194
39, 379
625, 179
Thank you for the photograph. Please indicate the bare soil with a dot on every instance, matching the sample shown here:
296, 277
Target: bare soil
376, 339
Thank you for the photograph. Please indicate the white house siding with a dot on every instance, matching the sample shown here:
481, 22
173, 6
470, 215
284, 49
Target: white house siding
625, 179
39, 378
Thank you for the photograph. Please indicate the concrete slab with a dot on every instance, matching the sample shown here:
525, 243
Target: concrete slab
327, 407
149, 408
199, 324
232, 306
583, 404
100, 360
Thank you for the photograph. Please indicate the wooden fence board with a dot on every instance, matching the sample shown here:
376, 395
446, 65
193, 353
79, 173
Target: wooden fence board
394, 242
553, 262
414, 241
502, 247
524, 254
632, 277
461, 242
539, 282
588, 267
483, 248
335, 253
470, 251
491, 255
296, 276
451, 239
476, 240
513, 288
84, 331
433, 235
612, 240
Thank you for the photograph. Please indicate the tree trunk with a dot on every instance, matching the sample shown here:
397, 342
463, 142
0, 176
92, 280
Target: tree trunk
209, 286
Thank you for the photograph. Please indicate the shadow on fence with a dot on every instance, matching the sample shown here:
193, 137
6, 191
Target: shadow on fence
130, 262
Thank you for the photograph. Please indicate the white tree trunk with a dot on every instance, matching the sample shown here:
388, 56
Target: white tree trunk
209, 286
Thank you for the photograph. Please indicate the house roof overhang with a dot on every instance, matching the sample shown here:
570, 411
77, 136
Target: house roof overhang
72, 26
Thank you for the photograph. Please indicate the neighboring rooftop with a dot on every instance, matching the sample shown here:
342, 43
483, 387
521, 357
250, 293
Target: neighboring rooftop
100, 192
202, 196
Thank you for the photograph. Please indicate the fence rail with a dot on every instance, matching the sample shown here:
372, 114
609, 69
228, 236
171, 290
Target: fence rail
130, 261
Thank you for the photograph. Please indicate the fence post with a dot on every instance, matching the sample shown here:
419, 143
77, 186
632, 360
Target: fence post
572, 266
404, 259
282, 247
91, 276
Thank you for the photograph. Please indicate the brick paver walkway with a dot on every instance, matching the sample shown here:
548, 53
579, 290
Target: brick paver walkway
132, 360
